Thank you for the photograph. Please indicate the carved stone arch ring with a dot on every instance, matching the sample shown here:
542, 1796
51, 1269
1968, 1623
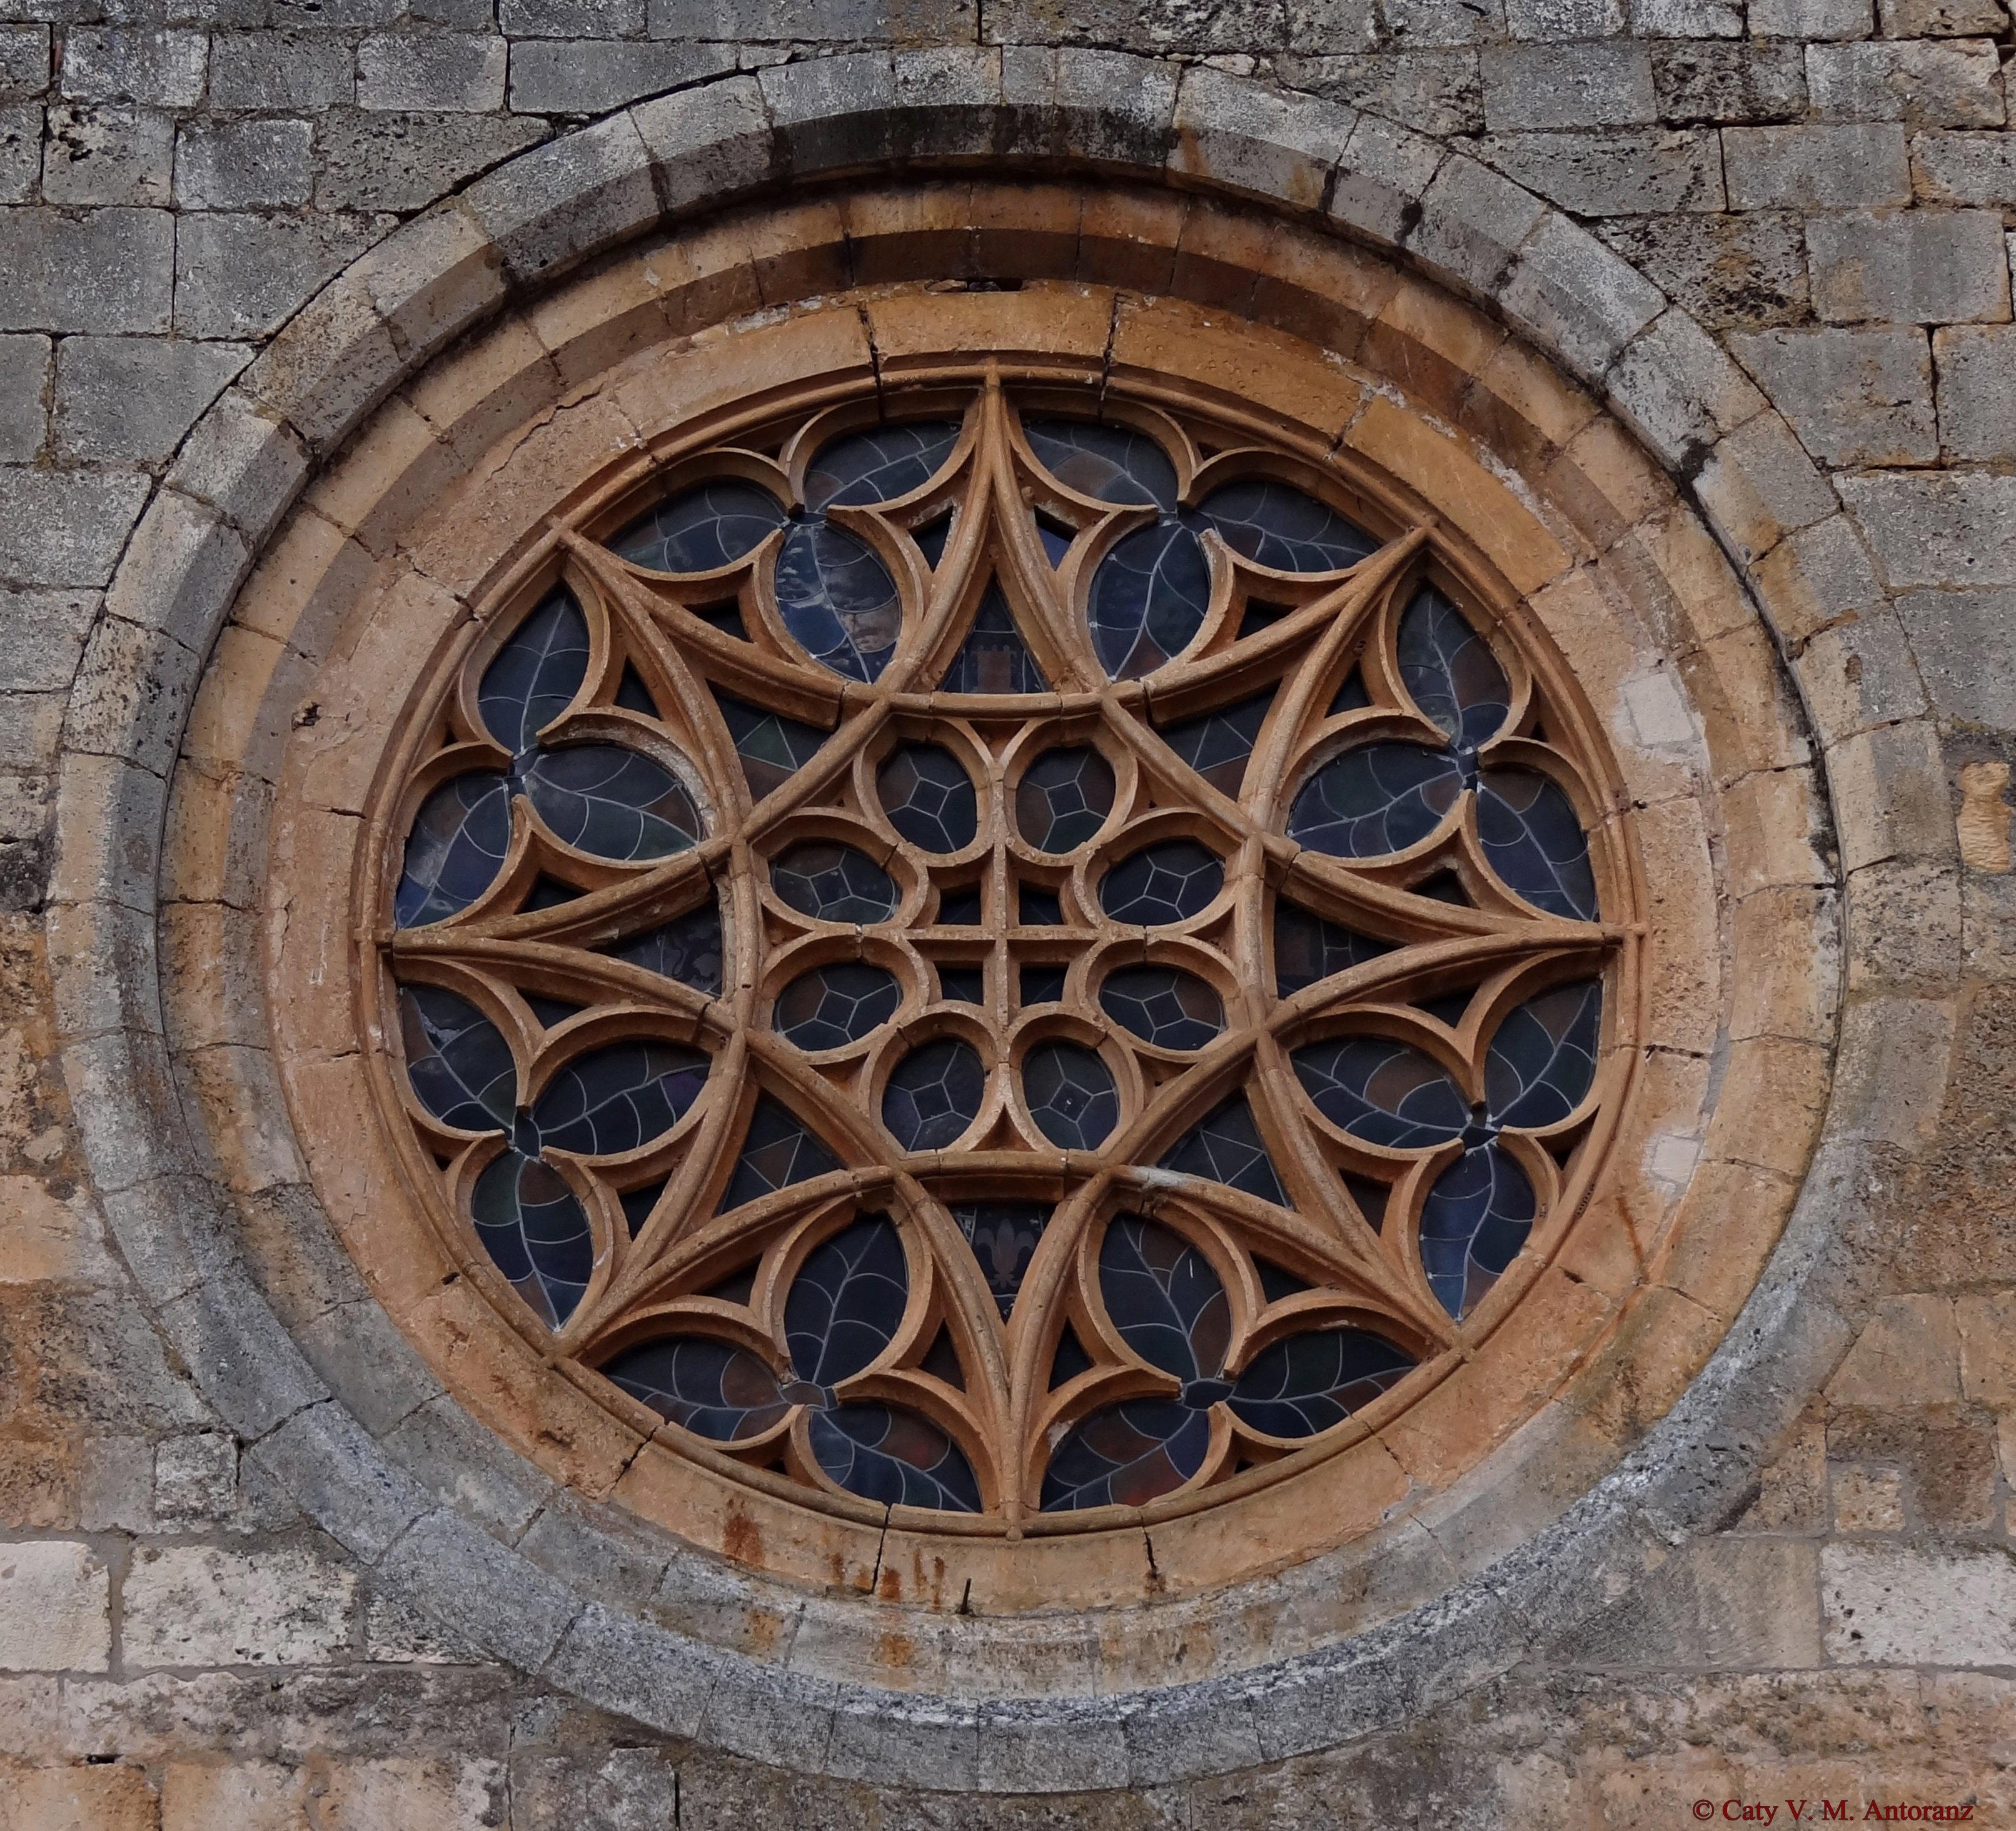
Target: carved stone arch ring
1029, 968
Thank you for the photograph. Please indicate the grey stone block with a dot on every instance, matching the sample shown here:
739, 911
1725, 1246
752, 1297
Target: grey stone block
1915, 268
1815, 167
1673, 383
831, 113
1563, 19
1098, 105
95, 863
288, 70
784, 1717
708, 141
240, 275
641, 1671
1920, 82
1941, 19
1965, 642
1953, 529
1435, 22
1827, 577
1761, 466
1470, 222
453, 71
45, 635
1578, 296
24, 59
571, 19
1190, 1732
1240, 134
341, 1480
933, 1736
468, 1467
1434, 91
1977, 365
1233, 27
156, 69
1854, 396
132, 695
1813, 19
104, 270
24, 397
243, 463
830, 22
368, 1365
1613, 174
478, 1589
20, 150
336, 15
66, 527
551, 208
108, 153
245, 1363
1686, 19
370, 161
1383, 175
1530, 87
136, 397
1729, 1606
593, 1550
1050, 1747
180, 571
239, 165
590, 76
1723, 270
1965, 168
1713, 81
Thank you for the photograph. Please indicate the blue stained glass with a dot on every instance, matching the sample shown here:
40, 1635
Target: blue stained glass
1474, 1222
1148, 599
1274, 525
836, 1004
1126, 1455
1449, 671
702, 529
1003, 1237
1307, 948
838, 599
994, 658
1304, 1384
610, 801
534, 677
458, 1061
1171, 1009
1063, 799
1109, 463
846, 1301
687, 949
933, 1093
833, 883
1378, 799
1164, 1298
1071, 1095
928, 797
1531, 838
714, 1389
778, 1150
879, 465
1225, 1148
1383, 1091
1542, 1062
888, 1453
615, 1099
1217, 745
1160, 884
772, 747
455, 849
536, 1232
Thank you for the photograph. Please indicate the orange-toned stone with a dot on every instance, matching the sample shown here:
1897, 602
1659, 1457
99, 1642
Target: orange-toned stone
394, 469
232, 711
1520, 406
1316, 287
1773, 1096
1664, 1340
1430, 345
200, 1794
1734, 1215
1684, 955
1028, 230
1605, 483
915, 331
1771, 833
1787, 940
1129, 238
1908, 1353
475, 395
1986, 1322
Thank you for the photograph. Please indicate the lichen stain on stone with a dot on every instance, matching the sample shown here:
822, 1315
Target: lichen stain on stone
742, 1539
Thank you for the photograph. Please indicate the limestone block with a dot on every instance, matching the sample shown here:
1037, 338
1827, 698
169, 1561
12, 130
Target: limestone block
1977, 367
453, 71
1909, 1354
65, 528
55, 1608
98, 270
243, 274
1924, 83
244, 165
371, 161
1854, 396
1530, 87
307, 72
24, 59
1817, 168
590, 76
204, 1605
1708, 80
1913, 268
1434, 91
1894, 1605
135, 398
1747, 270
24, 390
1812, 19
158, 69
1635, 174
196, 1477
108, 153
1965, 168
1958, 529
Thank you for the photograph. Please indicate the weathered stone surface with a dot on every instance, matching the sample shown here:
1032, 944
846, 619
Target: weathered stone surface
55, 1608
1965, 643
1749, 270
1911, 269
590, 76
1886, 1605
1965, 168
1613, 174
1712, 81
282, 71
404, 161
1922, 83
66, 527
205, 1605
108, 153
454, 71
134, 398
1854, 396
1957, 530
243, 164
98, 270
1815, 167
159, 69
1527, 88
24, 395
1434, 91
1976, 366
241, 274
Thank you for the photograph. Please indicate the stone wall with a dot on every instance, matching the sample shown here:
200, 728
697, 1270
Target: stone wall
1821, 185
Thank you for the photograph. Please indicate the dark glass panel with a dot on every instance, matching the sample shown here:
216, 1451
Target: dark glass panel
1163, 1296
1350, 697
610, 801
1473, 1224
536, 1232
1275, 525
879, 465
1276, 1282
1382, 1091
1063, 799
638, 1204
1218, 744
701, 529
934, 1094
726, 617
887, 1453
940, 1360
1070, 1361
1306, 1383
1307, 948
1042, 985
1532, 840
549, 893
615, 1099
994, 658
633, 695
1167, 882
1258, 616
965, 984
1126, 1455
1449, 671
772, 747
778, 1150
1110, 463
961, 908
534, 677
738, 1287
1038, 909
838, 599
459, 1062
837, 1004
1370, 1198
846, 1301
1071, 1095
1170, 1009
455, 849
1543, 1060
551, 1012
1056, 537
1226, 1148
1443, 887
1003, 1237
932, 539
713, 1388
1148, 599
1381, 799
687, 949
1449, 1010
928, 797
833, 883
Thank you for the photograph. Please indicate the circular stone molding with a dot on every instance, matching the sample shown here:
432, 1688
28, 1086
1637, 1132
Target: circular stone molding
1454, 1177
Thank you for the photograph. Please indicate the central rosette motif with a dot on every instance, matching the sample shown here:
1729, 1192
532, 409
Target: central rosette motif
1000, 955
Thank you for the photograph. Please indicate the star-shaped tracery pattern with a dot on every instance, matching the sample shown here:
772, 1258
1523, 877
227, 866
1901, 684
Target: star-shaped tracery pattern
1001, 955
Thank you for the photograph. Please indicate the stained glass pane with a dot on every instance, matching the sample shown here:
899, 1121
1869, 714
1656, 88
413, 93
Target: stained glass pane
833, 883
455, 849
551, 1012
932, 539
1276, 525
879, 465
536, 1232
459, 1062
934, 1094
1305, 1383
1171, 1009
772, 747
1542, 1061
838, 599
1379, 799
536, 674
1226, 1148
1164, 1298
1449, 671
1126, 1456
1071, 1095
1110, 463
1532, 840
687, 948
1168, 882
713, 1388
1382, 1091
610, 801
701, 530
1063, 799
1473, 1224
638, 1204
846, 1301
1307, 948
1148, 599
1003, 1237
886, 1453
615, 1099
1218, 744
779, 1149
1042, 985
633, 695
963, 985
1038, 909
928, 797
994, 658
837, 1004
960, 907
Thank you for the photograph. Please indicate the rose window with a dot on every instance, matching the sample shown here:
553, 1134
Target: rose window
1003, 954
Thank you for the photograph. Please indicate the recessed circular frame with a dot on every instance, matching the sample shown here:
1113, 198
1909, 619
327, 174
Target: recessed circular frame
1007, 954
